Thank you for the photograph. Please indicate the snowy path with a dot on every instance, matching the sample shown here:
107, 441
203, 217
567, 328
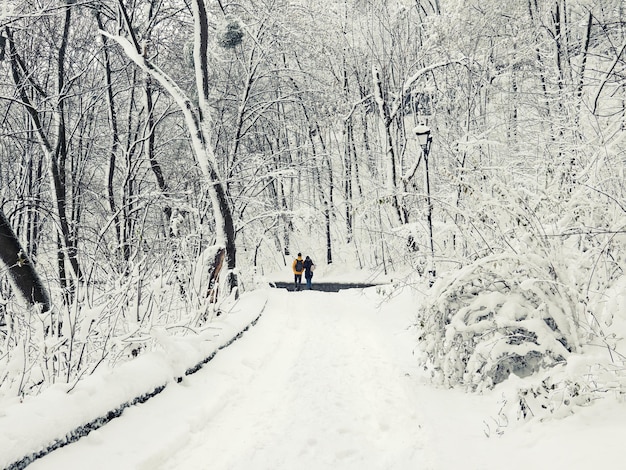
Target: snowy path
323, 386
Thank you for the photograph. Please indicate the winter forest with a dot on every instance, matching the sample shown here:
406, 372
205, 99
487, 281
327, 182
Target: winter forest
160, 157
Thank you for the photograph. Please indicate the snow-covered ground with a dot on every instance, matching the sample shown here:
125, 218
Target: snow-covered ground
323, 380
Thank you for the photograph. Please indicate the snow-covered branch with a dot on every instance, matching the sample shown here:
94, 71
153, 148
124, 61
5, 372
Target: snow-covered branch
409, 82
410, 172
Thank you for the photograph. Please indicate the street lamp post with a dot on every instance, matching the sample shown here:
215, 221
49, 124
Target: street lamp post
424, 138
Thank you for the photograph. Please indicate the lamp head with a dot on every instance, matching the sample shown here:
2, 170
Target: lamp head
422, 133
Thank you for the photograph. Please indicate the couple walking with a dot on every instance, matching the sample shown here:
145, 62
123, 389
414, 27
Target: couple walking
300, 266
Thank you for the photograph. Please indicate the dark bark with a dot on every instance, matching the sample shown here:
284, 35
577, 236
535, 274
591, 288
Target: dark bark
201, 55
348, 161
22, 273
115, 140
214, 276
57, 153
151, 156
386, 116
59, 157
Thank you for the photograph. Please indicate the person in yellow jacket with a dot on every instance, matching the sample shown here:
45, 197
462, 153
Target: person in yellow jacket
298, 268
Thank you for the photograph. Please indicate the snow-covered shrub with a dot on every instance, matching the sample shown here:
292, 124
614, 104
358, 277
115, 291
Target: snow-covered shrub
22, 348
555, 392
111, 322
503, 314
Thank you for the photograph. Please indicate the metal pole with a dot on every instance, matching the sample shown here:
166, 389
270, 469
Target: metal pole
431, 269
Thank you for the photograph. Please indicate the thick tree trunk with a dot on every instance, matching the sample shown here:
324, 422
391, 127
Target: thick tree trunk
214, 276
22, 273
224, 218
59, 155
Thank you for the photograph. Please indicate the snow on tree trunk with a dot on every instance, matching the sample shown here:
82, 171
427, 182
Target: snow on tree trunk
21, 271
390, 156
198, 124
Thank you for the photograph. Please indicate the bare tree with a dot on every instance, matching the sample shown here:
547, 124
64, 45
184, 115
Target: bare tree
52, 140
197, 119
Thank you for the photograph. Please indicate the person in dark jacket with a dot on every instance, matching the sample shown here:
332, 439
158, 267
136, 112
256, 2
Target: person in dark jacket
309, 267
298, 268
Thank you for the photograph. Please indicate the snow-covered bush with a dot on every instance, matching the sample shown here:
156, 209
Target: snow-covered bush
542, 318
501, 315
556, 392
111, 322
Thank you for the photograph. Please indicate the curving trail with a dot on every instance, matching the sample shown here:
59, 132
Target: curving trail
322, 384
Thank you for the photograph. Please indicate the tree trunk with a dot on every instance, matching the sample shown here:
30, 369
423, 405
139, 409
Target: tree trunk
197, 120
22, 273
56, 153
150, 155
115, 139
583, 64
390, 162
